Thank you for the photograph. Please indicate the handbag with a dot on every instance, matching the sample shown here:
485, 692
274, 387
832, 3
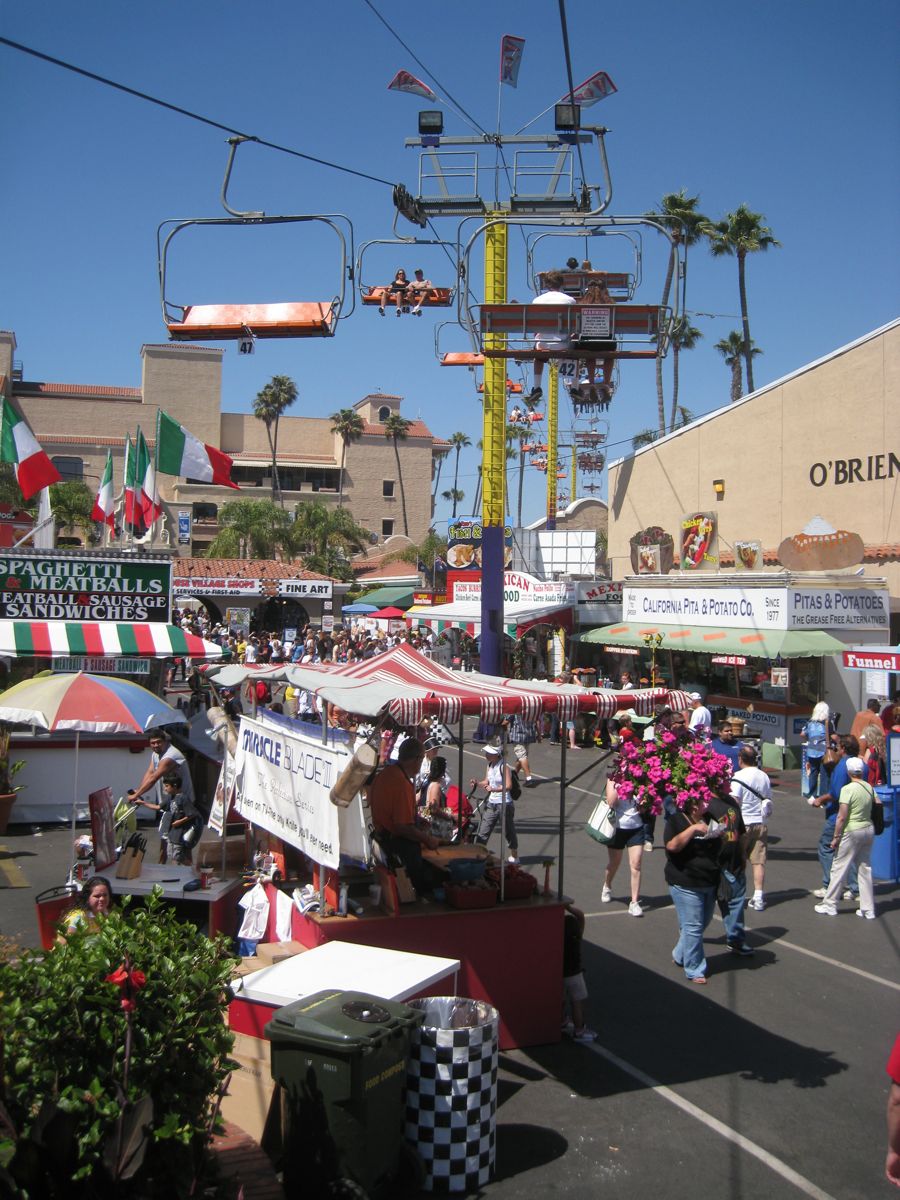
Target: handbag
603, 823
877, 815
831, 757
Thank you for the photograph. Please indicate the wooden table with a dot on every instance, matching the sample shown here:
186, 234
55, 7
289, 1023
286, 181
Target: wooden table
220, 898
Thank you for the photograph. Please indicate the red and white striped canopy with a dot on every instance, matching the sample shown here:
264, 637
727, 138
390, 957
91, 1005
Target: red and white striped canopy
411, 687
101, 639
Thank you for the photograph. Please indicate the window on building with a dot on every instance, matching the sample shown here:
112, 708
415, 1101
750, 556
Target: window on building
383, 413
206, 512
69, 468
387, 489
387, 527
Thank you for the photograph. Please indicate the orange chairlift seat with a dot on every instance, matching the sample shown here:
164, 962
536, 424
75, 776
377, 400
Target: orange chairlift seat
587, 328
436, 297
514, 389
230, 322
462, 358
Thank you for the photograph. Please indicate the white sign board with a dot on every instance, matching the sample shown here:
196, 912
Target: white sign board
102, 666
204, 586
519, 588
300, 589
759, 608
893, 760
283, 780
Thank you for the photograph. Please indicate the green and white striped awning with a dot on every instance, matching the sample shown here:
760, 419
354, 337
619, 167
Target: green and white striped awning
50, 639
707, 639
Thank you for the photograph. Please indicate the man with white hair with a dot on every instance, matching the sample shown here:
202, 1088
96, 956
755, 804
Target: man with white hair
852, 841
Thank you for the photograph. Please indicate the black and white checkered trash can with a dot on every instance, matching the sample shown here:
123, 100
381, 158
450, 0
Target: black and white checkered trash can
451, 1092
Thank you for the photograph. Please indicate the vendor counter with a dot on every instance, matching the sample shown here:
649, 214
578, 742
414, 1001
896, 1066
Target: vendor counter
510, 955
213, 909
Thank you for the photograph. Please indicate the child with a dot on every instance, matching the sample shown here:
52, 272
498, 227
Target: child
164, 808
573, 975
184, 820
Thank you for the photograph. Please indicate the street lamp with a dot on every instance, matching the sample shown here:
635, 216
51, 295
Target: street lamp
653, 641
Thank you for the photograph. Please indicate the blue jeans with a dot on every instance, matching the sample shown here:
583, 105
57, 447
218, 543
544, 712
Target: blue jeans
826, 857
813, 771
695, 907
734, 918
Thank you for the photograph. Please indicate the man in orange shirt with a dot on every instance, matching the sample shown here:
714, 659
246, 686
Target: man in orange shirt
392, 800
864, 718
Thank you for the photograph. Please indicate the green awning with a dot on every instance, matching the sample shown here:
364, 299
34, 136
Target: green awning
711, 639
400, 596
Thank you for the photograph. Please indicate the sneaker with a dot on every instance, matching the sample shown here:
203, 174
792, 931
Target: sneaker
757, 902
605, 895
635, 910
534, 396
576, 391
848, 895
513, 860
648, 847
585, 1035
740, 948
866, 913
568, 1027
826, 910
820, 893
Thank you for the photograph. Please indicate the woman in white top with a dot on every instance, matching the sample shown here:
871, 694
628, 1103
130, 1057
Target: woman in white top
630, 836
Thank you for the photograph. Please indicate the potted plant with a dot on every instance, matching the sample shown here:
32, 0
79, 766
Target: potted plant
8, 772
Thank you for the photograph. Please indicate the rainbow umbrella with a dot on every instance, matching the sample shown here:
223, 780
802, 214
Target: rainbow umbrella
85, 703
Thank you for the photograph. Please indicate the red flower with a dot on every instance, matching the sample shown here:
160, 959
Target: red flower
137, 979
119, 977
127, 1005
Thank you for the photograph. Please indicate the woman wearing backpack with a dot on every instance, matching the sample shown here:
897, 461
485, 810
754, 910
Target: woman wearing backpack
500, 786
816, 731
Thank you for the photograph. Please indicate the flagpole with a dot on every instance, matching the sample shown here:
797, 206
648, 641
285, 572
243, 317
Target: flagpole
137, 441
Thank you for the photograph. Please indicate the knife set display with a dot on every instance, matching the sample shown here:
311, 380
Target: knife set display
129, 864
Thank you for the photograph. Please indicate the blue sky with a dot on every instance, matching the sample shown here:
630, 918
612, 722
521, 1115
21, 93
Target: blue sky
789, 106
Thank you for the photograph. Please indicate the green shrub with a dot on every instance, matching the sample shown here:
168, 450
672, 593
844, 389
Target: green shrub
97, 1071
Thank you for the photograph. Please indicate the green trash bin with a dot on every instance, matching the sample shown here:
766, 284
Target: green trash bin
341, 1058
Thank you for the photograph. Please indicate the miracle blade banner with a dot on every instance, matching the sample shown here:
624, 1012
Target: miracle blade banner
283, 780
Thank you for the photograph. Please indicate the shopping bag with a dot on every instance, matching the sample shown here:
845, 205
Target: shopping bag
602, 823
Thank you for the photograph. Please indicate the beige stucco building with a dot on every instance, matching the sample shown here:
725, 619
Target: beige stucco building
77, 424
821, 442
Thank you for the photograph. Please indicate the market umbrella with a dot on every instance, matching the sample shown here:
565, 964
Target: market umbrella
85, 703
359, 607
387, 614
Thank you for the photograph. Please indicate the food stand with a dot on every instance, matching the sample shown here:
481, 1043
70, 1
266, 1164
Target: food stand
282, 772
764, 647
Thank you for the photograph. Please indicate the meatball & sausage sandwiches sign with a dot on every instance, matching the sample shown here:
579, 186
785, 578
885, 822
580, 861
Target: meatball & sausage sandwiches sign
282, 781
59, 587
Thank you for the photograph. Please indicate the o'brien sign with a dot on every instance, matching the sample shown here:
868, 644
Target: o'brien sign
50, 588
872, 660
855, 470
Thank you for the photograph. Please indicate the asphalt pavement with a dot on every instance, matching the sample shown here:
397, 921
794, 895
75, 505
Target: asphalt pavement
769, 1082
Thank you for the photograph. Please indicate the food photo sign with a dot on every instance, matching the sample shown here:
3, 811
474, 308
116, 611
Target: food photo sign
748, 556
699, 542
464, 538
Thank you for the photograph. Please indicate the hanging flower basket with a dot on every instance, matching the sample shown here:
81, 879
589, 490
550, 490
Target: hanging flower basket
673, 766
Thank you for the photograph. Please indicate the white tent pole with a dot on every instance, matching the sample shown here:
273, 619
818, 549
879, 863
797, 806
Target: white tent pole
74, 805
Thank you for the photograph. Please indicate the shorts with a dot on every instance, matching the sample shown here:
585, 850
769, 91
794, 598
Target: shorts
757, 844
576, 988
520, 750
628, 837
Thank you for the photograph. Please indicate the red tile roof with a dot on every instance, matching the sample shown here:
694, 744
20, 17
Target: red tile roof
241, 568
417, 429
387, 571
89, 390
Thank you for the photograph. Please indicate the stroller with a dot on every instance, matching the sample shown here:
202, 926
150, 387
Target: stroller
459, 834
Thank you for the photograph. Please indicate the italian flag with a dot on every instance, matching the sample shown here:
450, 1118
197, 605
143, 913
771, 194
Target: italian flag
146, 480
18, 446
133, 517
104, 503
180, 453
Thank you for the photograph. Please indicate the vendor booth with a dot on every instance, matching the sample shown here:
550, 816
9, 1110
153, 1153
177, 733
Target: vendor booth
765, 649
285, 771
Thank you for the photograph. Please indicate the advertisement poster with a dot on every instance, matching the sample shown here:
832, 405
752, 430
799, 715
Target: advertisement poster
103, 828
282, 785
184, 527
648, 559
238, 621
464, 544
699, 542
748, 556
42, 587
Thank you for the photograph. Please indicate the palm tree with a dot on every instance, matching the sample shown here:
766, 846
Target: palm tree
645, 437
71, 503
325, 537
458, 441
441, 455
270, 404
740, 233
677, 212
11, 493
251, 529
349, 426
396, 430
684, 337
424, 555
453, 496
732, 350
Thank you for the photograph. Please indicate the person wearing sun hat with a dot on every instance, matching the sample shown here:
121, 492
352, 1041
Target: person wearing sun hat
497, 782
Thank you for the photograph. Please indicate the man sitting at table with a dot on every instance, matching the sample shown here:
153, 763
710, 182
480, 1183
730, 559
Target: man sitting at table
392, 799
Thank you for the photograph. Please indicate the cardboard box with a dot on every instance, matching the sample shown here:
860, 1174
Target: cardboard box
247, 965
253, 1100
269, 953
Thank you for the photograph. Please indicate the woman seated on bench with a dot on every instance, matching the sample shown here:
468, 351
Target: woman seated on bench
398, 288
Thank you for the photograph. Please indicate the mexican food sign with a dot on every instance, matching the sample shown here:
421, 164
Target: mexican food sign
57, 587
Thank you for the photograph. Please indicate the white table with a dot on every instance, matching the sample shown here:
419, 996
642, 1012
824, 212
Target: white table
390, 974
170, 879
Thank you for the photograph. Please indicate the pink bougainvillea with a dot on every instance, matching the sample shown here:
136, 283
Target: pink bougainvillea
670, 767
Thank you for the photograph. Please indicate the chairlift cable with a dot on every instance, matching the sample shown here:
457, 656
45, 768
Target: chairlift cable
186, 112
565, 38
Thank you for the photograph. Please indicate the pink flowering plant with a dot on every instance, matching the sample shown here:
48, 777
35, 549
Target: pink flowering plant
673, 765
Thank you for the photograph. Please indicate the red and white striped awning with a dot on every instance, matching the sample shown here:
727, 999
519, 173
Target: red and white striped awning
101, 639
411, 687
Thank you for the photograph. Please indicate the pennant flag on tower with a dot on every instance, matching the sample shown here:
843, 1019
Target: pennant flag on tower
180, 453
598, 87
404, 82
145, 484
104, 503
18, 446
511, 49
